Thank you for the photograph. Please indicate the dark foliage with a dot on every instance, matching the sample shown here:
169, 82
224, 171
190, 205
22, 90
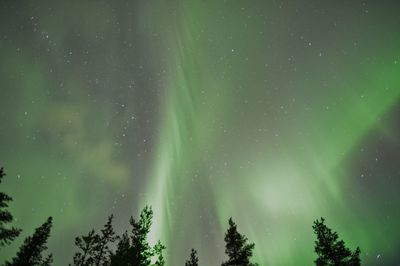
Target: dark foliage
332, 251
158, 249
102, 248
237, 248
135, 250
141, 251
87, 245
30, 253
121, 256
193, 260
95, 248
7, 234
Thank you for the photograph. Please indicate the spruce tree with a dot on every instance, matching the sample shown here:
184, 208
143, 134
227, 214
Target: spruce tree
88, 246
193, 260
94, 248
140, 250
48, 261
237, 247
30, 253
121, 256
7, 234
330, 250
102, 249
158, 250
134, 249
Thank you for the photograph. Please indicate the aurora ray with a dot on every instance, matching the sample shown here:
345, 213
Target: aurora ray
274, 113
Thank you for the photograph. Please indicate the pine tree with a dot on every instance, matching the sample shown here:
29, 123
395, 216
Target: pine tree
30, 253
94, 248
102, 249
87, 245
237, 248
158, 250
140, 250
121, 256
330, 250
355, 258
48, 261
7, 235
194, 260
134, 249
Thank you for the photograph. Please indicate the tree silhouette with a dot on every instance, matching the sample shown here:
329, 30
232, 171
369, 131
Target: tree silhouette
140, 250
330, 250
30, 253
7, 235
193, 260
158, 249
102, 246
237, 248
94, 248
87, 245
121, 255
134, 249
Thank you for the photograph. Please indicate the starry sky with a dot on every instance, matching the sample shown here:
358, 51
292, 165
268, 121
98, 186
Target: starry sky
273, 112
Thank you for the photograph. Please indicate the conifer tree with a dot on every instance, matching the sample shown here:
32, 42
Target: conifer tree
102, 249
193, 260
48, 261
140, 250
94, 248
237, 247
330, 250
7, 235
158, 249
121, 256
30, 253
134, 249
87, 245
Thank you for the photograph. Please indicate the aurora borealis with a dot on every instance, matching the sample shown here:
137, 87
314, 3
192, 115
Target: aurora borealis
273, 112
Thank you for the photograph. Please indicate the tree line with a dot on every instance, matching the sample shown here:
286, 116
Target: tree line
106, 248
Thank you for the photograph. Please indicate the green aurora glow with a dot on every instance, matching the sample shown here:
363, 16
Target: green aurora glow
266, 112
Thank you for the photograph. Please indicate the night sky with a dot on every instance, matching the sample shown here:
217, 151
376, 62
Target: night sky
273, 112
